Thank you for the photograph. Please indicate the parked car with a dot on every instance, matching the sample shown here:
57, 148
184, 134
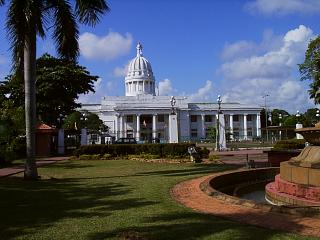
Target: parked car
126, 141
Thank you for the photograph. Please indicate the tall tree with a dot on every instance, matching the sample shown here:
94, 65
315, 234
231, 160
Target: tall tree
51, 79
78, 120
278, 116
310, 69
27, 19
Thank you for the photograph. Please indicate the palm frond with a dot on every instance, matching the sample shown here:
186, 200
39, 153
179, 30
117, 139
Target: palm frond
2, 2
22, 16
89, 12
17, 29
66, 31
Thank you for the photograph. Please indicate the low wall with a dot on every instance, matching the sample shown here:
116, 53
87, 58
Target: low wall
223, 186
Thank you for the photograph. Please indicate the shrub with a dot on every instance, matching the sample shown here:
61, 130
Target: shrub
290, 144
107, 156
18, 146
89, 156
122, 150
148, 156
214, 158
203, 152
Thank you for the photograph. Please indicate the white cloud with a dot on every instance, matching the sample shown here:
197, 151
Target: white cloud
240, 48
203, 94
274, 72
93, 97
243, 48
165, 88
106, 47
121, 71
283, 7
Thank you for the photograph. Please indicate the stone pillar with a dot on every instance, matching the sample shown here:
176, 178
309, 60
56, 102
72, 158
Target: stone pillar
61, 148
84, 137
203, 130
258, 125
299, 136
173, 128
116, 127
138, 128
231, 126
222, 133
121, 126
245, 128
154, 125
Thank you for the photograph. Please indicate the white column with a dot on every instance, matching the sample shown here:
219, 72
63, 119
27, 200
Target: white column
154, 125
298, 135
138, 128
258, 125
245, 130
116, 127
203, 134
231, 125
173, 128
121, 126
61, 141
84, 137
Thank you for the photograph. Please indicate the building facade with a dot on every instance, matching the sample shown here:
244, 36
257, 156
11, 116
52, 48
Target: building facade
143, 115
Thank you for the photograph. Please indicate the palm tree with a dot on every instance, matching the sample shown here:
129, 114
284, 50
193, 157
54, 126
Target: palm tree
27, 19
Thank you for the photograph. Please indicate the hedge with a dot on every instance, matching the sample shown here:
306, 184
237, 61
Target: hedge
116, 150
290, 144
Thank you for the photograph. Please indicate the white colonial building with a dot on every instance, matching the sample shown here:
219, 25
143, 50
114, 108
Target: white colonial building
145, 116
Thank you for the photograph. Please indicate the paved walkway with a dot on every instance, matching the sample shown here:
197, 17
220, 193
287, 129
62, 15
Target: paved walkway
241, 157
189, 194
4, 172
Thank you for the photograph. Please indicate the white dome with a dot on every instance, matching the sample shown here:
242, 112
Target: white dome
139, 79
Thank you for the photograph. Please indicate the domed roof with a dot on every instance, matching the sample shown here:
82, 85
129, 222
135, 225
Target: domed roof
139, 66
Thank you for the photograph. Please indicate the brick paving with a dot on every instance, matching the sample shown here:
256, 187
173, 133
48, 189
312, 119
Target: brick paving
240, 157
4, 172
189, 194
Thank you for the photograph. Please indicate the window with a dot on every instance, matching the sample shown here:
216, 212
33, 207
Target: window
208, 118
194, 133
161, 118
129, 133
129, 118
236, 118
249, 118
193, 118
249, 134
94, 137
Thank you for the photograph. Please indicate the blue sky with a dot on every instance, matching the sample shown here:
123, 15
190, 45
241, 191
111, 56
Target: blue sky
240, 49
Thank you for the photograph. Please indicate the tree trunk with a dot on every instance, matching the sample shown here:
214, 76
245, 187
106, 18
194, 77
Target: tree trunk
30, 171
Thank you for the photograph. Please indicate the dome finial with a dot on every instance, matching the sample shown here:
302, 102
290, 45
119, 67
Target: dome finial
139, 49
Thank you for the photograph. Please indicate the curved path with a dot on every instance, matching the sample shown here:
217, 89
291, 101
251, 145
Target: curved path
7, 171
189, 194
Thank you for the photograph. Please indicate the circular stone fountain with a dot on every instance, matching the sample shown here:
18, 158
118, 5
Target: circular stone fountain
299, 180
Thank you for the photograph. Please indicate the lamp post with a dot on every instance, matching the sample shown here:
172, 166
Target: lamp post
280, 123
317, 115
173, 103
266, 111
83, 119
298, 116
219, 101
60, 120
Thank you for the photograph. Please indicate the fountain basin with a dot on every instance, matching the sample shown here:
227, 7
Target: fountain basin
281, 192
310, 134
228, 187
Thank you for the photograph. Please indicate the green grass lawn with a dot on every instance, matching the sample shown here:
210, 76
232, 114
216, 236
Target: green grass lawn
111, 199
